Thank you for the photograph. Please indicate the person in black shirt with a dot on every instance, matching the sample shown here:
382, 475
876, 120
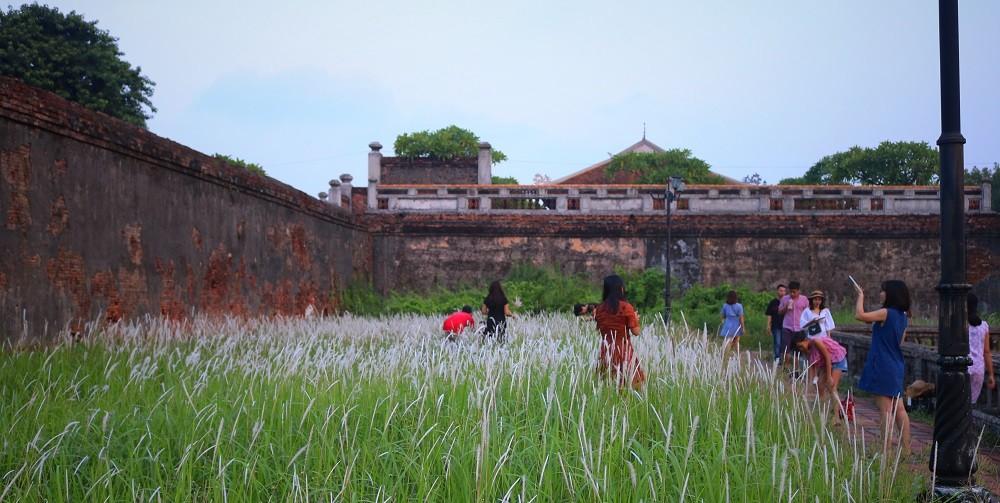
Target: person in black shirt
774, 321
497, 308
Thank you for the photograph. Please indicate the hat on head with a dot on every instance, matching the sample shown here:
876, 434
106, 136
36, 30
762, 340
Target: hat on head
817, 293
918, 388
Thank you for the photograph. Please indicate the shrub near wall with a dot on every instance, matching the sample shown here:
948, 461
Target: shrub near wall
546, 289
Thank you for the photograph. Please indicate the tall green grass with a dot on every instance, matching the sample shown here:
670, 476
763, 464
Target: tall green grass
364, 409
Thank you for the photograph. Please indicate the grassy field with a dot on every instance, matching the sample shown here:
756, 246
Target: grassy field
366, 409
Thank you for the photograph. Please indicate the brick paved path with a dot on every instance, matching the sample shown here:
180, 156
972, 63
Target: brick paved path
922, 434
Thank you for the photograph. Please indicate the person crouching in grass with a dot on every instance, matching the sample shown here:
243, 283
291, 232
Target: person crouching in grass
455, 324
830, 360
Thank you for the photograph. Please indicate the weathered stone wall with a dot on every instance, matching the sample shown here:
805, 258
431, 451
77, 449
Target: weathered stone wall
399, 170
419, 251
106, 221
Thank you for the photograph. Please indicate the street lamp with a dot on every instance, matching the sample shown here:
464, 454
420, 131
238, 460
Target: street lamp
674, 187
953, 461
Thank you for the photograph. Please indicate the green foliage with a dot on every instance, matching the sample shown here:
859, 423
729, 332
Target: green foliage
540, 289
69, 56
975, 176
701, 306
240, 163
445, 143
891, 163
644, 288
658, 167
362, 409
504, 180
547, 289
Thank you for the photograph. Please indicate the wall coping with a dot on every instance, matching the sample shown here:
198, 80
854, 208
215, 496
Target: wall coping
695, 199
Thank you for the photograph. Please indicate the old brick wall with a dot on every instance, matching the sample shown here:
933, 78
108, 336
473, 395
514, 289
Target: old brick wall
106, 221
399, 170
418, 251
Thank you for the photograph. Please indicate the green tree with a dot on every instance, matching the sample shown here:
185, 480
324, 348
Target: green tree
504, 180
240, 163
444, 143
975, 176
891, 163
69, 56
658, 167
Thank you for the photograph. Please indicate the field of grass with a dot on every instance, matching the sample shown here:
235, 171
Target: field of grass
384, 409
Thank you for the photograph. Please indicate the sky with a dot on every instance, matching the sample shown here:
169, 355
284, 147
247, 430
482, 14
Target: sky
302, 87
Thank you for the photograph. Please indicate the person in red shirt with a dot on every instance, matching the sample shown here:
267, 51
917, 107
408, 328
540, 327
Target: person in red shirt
455, 324
617, 322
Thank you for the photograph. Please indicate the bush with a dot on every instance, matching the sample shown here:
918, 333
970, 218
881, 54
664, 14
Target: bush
701, 306
547, 289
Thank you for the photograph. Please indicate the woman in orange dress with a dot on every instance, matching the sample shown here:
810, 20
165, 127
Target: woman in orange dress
618, 322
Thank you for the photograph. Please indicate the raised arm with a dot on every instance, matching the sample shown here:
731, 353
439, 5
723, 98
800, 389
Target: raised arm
867, 317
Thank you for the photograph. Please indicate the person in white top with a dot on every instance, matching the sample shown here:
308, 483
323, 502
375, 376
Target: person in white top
979, 350
817, 320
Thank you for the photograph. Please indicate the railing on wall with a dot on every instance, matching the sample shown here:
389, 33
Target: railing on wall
569, 199
921, 363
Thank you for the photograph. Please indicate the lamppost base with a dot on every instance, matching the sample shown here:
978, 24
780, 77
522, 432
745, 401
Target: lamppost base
962, 494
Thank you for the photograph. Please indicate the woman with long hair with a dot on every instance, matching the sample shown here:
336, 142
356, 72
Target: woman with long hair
884, 369
818, 316
618, 322
496, 307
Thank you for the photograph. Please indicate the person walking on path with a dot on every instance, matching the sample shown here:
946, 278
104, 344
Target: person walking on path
774, 321
979, 350
617, 322
791, 307
884, 368
496, 307
733, 322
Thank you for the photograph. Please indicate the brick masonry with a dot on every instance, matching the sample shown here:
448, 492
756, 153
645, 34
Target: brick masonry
103, 221
419, 250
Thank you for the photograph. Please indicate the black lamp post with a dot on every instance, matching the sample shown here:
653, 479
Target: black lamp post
674, 186
953, 458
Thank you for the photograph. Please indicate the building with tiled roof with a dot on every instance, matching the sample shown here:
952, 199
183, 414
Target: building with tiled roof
595, 174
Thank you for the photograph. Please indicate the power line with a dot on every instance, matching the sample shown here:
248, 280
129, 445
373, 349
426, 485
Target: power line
272, 165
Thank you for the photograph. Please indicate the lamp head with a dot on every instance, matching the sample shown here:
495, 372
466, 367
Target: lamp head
676, 183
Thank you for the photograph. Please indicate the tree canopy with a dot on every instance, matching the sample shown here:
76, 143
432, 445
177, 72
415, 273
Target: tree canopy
69, 56
658, 167
891, 163
444, 143
975, 176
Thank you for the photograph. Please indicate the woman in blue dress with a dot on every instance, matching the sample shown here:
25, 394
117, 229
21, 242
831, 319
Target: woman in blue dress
732, 321
884, 369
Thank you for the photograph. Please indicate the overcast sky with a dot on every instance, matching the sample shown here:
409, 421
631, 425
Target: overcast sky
750, 87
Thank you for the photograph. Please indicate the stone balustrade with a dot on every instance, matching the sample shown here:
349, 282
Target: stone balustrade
920, 363
700, 199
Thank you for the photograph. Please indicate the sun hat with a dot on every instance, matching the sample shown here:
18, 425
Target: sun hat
817, 293
918, 388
